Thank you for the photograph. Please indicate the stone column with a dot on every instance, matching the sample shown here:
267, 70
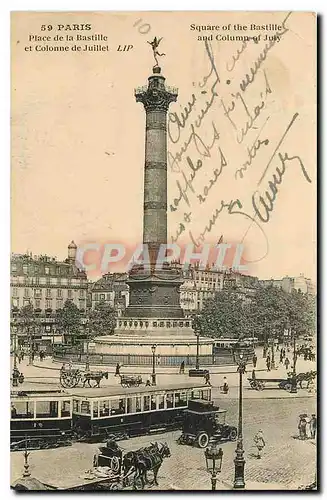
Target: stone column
156, 98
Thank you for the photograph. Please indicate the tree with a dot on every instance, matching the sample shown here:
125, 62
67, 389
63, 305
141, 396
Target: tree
27, 322
223, 316
102, 319
301, 313
69, 321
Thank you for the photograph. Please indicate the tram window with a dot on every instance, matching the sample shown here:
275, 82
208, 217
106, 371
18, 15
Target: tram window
85, 407
161, 401
117, 406
196, 394
76, 405
65, 408
146, 403
206, 394
130, 405
21, 409
153, 402
180, 399
104, 408
95, 409
170, 400
46, 409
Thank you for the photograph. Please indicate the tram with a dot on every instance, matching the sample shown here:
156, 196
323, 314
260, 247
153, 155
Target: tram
53, 418
43, 417
134, 411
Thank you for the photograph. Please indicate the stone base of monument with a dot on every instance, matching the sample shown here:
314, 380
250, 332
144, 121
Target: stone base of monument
174, 342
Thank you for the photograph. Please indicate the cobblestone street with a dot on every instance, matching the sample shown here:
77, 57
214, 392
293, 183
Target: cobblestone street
286, 463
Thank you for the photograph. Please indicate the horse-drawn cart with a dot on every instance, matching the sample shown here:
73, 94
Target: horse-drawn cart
134, 469
131, 381
70, 377
260, 383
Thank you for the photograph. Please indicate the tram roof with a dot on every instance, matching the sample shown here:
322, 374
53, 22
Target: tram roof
121, 391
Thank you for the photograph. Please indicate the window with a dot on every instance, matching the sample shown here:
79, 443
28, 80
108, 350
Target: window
48, 293
26, 302
180, 399
37, 280
76, 405
102, 296
22, 409
15, 302
46, 270
47, 280
25, 269
15, 292
197, 394
81, 294
85, 407
14, 267
95, 409
59, 304
65, 408
170, 399
70, 294
37, 292
58, 269
37, 304
146, 403
46, 409
206, 394
59, 292
48, 304
26, 292
161, 401
104, 408
118, 406
153, 402
130, 405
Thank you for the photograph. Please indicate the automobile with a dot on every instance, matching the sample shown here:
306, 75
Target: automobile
203, 422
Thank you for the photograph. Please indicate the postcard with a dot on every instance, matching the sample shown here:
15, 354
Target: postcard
163, 239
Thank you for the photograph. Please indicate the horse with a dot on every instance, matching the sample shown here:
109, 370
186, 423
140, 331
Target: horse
146, 459
306, 377
97, 376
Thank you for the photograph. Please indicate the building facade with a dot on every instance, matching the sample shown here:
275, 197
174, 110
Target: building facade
46, 283
288, 284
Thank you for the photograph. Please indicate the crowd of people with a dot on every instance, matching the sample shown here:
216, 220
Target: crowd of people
307, 426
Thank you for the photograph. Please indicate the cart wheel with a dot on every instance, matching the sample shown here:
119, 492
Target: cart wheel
67, 381
138, 483
260, 386
203, 440
287, 387
114, 465
233, 435
116, 486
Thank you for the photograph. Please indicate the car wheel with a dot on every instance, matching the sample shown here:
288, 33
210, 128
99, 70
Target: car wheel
233, 435
203, 440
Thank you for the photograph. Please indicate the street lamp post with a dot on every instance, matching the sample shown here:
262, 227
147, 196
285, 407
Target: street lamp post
153, 376
15, 372
293, 381
197, 365
214, 458
87, 360
273, 366
239, 460
30, 341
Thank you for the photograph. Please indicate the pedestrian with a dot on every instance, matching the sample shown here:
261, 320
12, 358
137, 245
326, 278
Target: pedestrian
281, 356
253, 375
254, 360
277, 346
182, 367
32, 356
286, 363
148, 383
41, 355
158, 360
313, 426
22, 355
259, 442
207, 378
302, 426
225, 386
268, 363
117, 372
